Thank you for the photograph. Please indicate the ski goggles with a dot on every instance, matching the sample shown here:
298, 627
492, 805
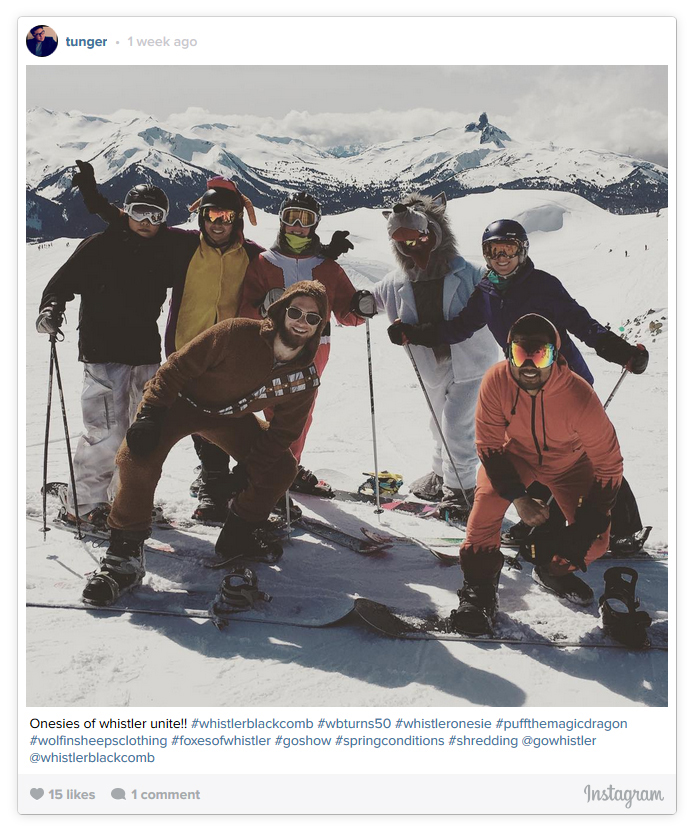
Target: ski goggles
423, 239
295, 215
541, 356
216, 214
145, 212
312, 319
497, 249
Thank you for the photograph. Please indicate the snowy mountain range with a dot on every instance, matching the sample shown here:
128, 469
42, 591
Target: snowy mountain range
128, 149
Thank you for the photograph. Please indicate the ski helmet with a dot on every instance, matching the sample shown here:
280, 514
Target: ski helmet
147, 194
221, 198
301, 208
505, 230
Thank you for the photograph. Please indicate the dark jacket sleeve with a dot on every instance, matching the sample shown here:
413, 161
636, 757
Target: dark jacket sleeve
99, 205
69, 279
465, 324
574, 317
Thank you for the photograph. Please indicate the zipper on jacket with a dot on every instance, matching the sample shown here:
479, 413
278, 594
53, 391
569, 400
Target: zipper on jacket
532, 429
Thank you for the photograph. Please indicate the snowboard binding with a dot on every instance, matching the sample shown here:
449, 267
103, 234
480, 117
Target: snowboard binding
629, 628
238, 592
388, 483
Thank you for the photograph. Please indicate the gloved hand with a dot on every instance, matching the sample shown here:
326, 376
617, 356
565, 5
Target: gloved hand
401, 333
639, 360
339, 244
49, 319
84, 179
143, 435
570, 542
615, 349
363, 304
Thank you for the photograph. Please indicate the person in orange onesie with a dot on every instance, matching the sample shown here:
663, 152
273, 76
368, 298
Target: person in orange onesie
536, 420
298, 254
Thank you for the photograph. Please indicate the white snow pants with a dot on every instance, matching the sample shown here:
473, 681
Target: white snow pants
110, 396
454, 404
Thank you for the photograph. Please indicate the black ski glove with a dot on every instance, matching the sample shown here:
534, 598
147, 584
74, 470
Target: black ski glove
363, 304
339, 244
615, 349
85, 181
143, 435
50, 319
570, 542
424, 334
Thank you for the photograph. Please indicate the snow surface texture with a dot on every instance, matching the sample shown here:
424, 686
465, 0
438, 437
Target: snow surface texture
82, 658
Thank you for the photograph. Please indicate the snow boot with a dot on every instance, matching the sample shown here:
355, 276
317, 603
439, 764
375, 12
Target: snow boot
628, 627
122, 569
456, 504
306, 482
478, 605
569, 586
629, 544
242, 540
213, 498
428, 487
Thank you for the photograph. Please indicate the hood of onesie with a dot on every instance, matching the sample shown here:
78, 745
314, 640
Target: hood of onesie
276, 312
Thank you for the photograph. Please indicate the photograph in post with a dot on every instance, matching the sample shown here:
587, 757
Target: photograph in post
347, 355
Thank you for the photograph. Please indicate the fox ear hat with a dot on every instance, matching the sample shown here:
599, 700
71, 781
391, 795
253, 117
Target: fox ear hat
219, 182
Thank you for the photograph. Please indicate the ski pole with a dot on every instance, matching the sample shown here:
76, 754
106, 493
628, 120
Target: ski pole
54, 360
45, 442
288, 507
438, 427
377, 480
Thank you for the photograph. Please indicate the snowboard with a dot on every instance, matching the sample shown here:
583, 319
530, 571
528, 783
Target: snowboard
421, 624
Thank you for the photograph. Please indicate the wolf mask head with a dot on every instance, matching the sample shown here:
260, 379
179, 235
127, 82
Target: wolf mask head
418, 215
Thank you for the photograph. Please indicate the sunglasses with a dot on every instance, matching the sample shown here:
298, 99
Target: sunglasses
423, 239
216, 214
294, 215
145, 212
495, 250
542, 357
313, 319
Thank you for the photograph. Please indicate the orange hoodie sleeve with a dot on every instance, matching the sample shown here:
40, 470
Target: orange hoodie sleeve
490, 430
602, 447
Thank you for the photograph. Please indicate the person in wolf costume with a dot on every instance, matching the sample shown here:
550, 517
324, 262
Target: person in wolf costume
432, 283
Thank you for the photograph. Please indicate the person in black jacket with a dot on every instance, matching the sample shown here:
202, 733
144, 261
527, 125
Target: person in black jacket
122, 276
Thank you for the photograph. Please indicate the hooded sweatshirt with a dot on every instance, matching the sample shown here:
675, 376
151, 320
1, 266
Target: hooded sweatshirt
550, 431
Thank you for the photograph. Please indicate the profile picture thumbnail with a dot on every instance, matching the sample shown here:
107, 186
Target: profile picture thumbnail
42, 41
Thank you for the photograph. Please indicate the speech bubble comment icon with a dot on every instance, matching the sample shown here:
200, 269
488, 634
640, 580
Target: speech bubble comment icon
118, 793
37, 793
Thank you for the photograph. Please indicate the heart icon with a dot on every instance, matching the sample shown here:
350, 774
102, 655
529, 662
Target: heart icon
37, 793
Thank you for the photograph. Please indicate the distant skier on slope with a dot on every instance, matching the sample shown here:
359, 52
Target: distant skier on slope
433, 283
211, 387
298, 254
512, 287
537, 420
122, 276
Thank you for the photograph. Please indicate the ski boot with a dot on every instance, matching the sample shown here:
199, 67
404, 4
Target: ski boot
213, 498
428, 487
630, 544
456, 504
629, 628
569, 586
242, 540
306, 482
478, 605
122, 569
238, 592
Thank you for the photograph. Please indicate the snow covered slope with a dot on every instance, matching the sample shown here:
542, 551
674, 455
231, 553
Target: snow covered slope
76, 658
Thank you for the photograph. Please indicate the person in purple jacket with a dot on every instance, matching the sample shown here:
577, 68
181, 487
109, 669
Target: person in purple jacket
514, 287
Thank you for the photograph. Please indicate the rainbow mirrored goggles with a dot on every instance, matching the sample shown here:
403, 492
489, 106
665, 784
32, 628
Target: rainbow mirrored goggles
217, 214
145, 212
541, 356
295, 215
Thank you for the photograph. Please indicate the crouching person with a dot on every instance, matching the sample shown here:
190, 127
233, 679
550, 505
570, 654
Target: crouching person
212, 387
537, 421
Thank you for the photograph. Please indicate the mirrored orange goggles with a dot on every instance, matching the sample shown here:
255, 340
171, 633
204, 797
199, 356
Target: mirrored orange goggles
224, 216
294, 215
541, 357
497, 249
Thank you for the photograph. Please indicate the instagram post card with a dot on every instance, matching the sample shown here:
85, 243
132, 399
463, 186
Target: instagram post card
345, 388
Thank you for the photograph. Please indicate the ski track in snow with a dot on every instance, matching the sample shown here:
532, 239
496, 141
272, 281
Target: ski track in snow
82, 658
